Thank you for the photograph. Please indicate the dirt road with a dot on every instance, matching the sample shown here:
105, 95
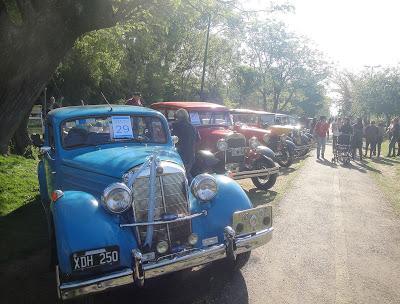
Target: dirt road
337, 240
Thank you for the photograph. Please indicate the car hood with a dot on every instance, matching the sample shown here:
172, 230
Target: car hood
250, 131
116, 161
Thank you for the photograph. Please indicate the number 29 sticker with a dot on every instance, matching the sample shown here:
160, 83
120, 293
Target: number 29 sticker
122, 127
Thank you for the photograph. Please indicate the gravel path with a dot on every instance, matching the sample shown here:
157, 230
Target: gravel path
336, 241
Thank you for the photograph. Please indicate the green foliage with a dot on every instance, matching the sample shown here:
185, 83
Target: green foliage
375, 93
18, 182
160, 52
13, 11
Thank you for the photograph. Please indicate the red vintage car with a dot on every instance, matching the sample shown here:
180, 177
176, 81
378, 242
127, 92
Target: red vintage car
222, 149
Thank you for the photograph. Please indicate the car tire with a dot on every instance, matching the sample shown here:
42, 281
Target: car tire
289, 158
265, 184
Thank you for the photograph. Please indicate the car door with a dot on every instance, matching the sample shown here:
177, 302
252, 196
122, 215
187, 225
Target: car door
49, 159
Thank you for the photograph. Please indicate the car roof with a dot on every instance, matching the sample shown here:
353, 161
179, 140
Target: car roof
190, 105
64, 113
248, 111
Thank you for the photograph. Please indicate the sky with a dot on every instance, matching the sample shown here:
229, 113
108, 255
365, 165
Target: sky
352, 33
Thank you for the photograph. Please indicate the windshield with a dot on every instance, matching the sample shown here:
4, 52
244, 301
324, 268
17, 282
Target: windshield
267, 119
210, 118
249, 119
91, 131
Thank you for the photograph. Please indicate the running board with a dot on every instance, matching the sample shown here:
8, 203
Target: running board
254, 173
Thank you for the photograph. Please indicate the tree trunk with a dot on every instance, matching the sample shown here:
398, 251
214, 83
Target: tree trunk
31, 51
21, 140
276, 102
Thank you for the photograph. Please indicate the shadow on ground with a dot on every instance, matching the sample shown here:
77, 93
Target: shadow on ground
260, 197
32, 282
286, 171
25, 273
23, 231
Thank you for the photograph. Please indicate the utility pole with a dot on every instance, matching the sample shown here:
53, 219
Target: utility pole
205, 59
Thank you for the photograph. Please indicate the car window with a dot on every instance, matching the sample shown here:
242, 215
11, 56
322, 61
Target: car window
171, 115
51, 135
210, 118
91, 131
250, 119
267, 119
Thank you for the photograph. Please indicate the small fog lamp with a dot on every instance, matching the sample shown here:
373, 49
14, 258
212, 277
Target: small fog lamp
193, 238
162, 247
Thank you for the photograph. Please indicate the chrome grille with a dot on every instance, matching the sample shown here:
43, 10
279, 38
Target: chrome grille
171, 199
235, 141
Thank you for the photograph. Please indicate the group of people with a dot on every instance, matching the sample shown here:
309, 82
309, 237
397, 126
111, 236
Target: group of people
344, 132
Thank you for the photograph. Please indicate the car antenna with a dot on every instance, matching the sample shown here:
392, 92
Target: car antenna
111, 108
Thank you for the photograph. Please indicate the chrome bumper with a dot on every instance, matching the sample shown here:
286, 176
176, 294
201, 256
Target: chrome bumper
254, 173
194, 258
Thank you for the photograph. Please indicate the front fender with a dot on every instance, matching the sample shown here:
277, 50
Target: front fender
230, 198
265, 151
42, 182
290, 144
80, 223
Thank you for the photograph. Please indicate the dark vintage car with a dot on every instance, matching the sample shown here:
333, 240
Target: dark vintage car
261, 125
222, 149
119, 207
285, 137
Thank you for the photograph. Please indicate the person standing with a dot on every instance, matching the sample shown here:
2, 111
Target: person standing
366, 130
358, 132
313, 123
320, 131
381, 134
394, 136
188, 137
371, 136
136, 100
336, 125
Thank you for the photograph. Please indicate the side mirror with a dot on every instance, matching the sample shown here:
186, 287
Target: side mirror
37, 141
44, 150
175, 139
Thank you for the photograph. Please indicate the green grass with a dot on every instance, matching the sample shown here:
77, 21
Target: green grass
388, 176
18, 182
22, 221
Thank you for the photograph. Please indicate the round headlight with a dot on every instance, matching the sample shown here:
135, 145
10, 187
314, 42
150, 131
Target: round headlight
117, 198
204, 187
253, 143
222, 145
266, 138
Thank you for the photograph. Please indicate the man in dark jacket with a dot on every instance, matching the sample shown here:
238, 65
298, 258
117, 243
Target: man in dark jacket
371, 137
394, 136
358, 132
188, 137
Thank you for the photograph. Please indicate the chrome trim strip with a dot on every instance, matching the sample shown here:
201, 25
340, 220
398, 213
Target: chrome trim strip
303, 147
199, 257
179, 219
255, 173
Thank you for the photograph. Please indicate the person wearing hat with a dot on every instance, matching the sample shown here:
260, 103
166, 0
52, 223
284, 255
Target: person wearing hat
188, 137
136, 100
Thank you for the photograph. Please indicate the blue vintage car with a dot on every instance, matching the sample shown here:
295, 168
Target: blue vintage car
119, 206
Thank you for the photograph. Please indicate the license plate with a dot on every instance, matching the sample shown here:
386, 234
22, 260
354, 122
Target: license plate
252, 220
237, 151
83, 260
